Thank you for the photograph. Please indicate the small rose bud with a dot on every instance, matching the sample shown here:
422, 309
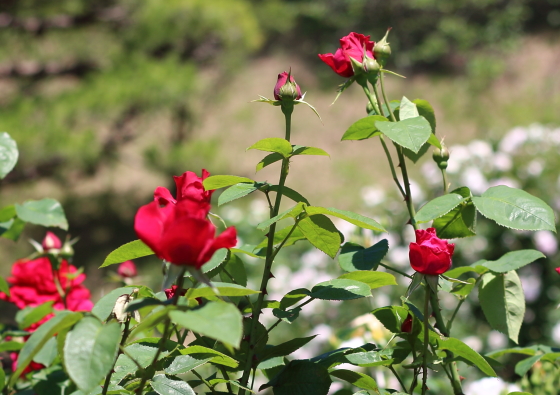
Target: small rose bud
369, 108
441, 156
127, 269
557, 270
286, 88
382, 50
51, 242
67, 251
371, 66
407, 324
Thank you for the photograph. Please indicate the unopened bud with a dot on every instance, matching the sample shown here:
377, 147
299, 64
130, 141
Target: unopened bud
67, 251
286, 88
406, 326
441, 156
127, 269
382, 50
51, 242
369, 108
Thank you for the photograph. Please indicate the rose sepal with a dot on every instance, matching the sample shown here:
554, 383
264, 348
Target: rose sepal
263, 99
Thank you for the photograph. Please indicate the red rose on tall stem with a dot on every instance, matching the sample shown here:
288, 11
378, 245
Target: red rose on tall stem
351, 46
282, 80
189, 186
430, 254
181, 233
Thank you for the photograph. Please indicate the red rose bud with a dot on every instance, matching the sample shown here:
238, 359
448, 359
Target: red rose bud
181, 233
355, 46
430, 254
286, 89
189, 186
406, 326
557, 270
127, 270
382, 50
51, 242
170, 292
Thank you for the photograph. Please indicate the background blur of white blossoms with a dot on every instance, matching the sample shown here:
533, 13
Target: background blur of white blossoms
526, 158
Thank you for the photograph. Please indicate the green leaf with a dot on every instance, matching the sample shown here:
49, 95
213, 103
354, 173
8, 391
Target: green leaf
303, 150
134, 249
235, 192
286, 348
464, 289
355, 257
90, 351
513, 260
348, 216
45, 212
364, 128
460, 349
288, 316
391, 317
357, 379
503, 303
42, 335
321, 232
235, 268
340, 289
224, 289
217, 357
48, 353
373, 279
274, 144
426, 110
213, 266
185, 363
407, 109
7, 213
105, 305
164, 385
438, 207
12, 229
2, 379
411, 133
217, 320
367, 359
301, 377
280, 235
523, 366
217, 182
289, 213
11, 346
30, 315
293, 297
515, 208
459, 222
4, 286
290, 193
268, 160
8, 154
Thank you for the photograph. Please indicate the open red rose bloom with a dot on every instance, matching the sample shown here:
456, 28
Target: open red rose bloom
430, 254
178, 230
351, 46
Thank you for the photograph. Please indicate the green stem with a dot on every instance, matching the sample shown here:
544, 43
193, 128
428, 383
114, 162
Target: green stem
402, 164
284, 241
445, 182
392, 369
450, 322
269, 257
121, 345
204, 381
395, 270
426, 339
166, 330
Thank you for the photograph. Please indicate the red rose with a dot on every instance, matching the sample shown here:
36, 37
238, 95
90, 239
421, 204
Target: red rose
430, 254
557, 270
180, 233
406, 326
51, 242
32, 284
351, 46
292, 89
189, 186
127, 269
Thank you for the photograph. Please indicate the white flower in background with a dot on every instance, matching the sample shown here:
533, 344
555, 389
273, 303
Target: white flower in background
473, 342
502, 161
399, 256
531, 283
490, 386
417, 192
556, 333
481, 149
474, 179
510, 182
431, 173
346, 228
232, 214
497, 340
546, 242
536, 132
372, 195
314, 258
513, 140
458, 154
554, 136
258, 212
535, 168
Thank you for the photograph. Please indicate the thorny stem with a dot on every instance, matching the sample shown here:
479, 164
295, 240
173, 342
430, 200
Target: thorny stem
402, 164
166, 331
269, 257
121, 345
392, 369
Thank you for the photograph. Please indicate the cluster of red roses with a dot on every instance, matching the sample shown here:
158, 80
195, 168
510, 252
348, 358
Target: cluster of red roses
32, 283
178, 229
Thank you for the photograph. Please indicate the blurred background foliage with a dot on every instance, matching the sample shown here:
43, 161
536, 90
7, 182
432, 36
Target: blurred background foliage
109, 98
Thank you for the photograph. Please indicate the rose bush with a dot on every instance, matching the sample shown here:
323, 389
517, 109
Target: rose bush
353, 46
430, 254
